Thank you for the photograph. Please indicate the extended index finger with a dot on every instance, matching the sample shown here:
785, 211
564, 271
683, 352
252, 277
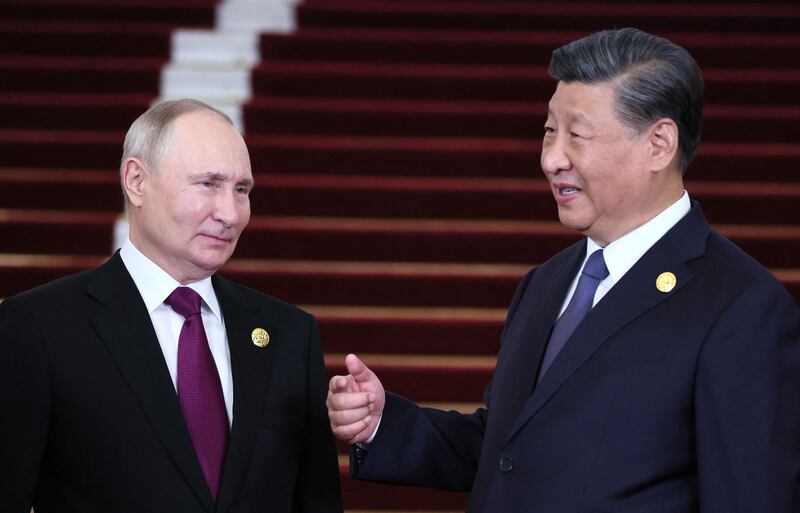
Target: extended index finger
339, 384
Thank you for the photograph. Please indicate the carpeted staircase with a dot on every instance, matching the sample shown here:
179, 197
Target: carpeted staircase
395, 146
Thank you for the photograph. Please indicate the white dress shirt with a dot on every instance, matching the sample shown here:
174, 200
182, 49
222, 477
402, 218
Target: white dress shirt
624, 252
155, 285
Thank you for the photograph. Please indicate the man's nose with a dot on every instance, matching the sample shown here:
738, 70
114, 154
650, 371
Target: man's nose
227, 210
554, 159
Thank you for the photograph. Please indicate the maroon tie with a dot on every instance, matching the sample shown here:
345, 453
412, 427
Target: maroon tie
199, 388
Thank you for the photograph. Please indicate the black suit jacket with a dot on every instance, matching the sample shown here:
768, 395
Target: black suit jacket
661, 402
91, 421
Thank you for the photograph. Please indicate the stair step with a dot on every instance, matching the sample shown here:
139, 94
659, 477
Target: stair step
369, 239
533, 47
390, 196
85, 39
178, 12
320, 116
472, 157
403, 156
20, 272
54, 111
73, 75
410, 330
432, 378
361, 117
489, 158
381, 283
584, 16
487, 82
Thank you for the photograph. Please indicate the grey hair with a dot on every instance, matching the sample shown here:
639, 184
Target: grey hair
148, 136
654, 79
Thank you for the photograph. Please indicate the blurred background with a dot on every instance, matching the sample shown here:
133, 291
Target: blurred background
395, 147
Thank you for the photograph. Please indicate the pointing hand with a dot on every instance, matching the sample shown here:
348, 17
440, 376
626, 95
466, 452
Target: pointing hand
355, 402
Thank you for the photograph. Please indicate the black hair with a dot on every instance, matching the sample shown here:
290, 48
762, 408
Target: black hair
655, 79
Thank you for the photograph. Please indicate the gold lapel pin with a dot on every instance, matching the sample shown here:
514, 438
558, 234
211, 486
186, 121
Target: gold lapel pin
260, 337
666, 282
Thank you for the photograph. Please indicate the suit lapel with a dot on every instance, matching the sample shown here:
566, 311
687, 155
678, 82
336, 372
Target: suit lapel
535, 315
124, 325
251, 367
526, 338
632, 296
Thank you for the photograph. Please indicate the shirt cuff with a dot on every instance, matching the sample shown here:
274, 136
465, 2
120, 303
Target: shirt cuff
365, 445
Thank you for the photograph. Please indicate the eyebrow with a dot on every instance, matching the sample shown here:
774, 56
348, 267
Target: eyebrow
579, 117
221, 177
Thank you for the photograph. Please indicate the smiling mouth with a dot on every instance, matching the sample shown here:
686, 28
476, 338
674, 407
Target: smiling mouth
565, 191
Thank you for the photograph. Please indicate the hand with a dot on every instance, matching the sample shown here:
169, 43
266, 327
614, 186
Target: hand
355, 402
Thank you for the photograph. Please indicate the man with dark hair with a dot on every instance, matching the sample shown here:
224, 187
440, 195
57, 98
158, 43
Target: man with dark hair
652, 367
653, 78
151, 384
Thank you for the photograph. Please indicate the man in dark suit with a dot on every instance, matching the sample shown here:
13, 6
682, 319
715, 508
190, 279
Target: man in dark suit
151, 384
652, 367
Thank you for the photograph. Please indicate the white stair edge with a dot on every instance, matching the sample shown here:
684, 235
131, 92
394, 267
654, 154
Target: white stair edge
214, 65
276, 16
200, 47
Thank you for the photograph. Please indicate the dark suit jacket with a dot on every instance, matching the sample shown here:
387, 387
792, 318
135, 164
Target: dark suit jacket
91, 421
672, 402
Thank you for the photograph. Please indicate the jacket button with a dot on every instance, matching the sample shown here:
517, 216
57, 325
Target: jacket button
506, 464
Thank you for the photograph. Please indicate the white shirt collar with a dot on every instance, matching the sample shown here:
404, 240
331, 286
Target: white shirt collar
624, 252
155, 284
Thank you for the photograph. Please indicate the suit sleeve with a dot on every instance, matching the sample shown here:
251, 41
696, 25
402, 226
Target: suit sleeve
25, 398
747, 406
425, 446
317, 489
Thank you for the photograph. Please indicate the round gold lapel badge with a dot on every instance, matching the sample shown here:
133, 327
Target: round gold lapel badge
666, 282
260, 337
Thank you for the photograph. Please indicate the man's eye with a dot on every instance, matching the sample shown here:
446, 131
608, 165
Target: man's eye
243, 190
549, 130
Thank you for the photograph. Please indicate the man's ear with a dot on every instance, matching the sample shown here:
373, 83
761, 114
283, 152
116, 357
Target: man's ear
663, 139
133, 175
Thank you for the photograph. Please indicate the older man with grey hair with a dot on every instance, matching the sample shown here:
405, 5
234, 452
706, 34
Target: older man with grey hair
152, 384
653, 367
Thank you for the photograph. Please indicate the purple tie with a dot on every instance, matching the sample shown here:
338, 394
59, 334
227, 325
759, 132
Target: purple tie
593, 273
199, 388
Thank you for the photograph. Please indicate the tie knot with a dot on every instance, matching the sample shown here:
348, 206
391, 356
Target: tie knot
185, 301
596, 266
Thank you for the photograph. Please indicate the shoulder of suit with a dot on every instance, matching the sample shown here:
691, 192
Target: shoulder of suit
725, 271
252, 296
65, 289
730, 259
